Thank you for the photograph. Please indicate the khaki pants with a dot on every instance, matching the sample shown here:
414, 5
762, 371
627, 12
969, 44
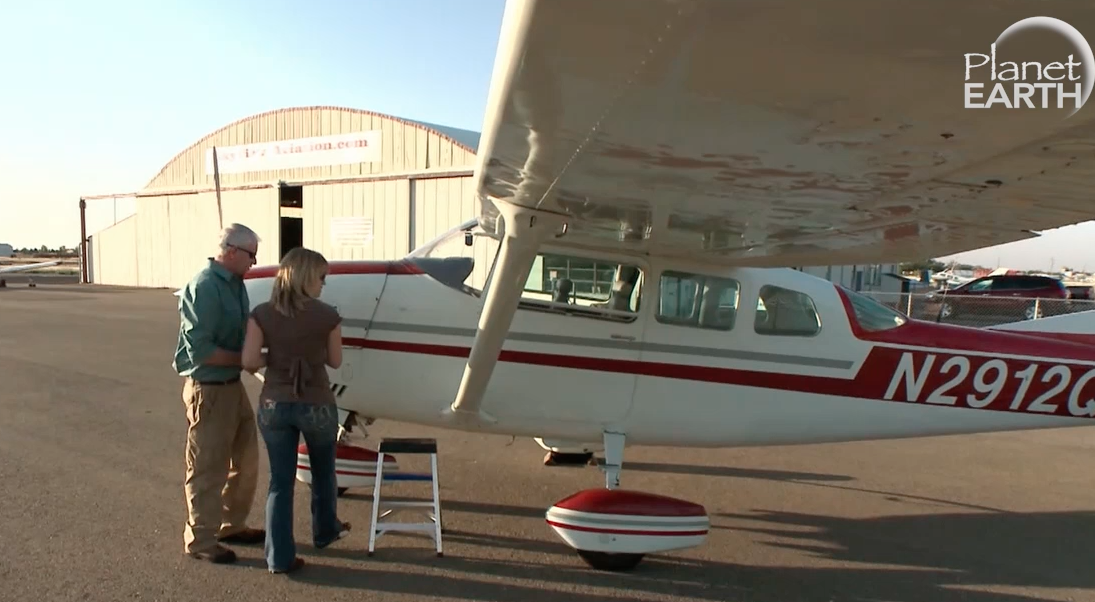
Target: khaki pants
221, 462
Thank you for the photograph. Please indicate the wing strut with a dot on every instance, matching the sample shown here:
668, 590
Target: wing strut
525, 230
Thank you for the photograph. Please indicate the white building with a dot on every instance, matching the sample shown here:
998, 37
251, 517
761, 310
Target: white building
349, 183
6, 250
863, 278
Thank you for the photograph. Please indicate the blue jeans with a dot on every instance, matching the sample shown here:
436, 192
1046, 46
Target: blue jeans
281, 425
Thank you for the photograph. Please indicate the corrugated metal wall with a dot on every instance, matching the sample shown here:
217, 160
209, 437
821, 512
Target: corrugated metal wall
864, 278
441, 204
385, 203
193, 230
174, 232
169, 238
399, 225
153, 242
116, 243
405, 146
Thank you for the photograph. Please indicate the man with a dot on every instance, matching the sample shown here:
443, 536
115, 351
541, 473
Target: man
221, 441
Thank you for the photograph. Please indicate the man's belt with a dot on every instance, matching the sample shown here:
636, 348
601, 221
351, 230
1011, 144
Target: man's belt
234, 379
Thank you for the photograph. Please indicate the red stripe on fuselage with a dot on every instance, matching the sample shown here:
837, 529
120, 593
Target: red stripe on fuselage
1045, 386
956, 339
1083, 339
392, 268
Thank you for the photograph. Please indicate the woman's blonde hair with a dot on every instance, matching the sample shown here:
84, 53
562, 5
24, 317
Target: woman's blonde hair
298, 269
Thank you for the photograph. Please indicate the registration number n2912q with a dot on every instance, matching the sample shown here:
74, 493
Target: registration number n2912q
993, 383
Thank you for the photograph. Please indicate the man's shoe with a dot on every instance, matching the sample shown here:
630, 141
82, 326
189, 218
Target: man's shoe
246, 536
218, 555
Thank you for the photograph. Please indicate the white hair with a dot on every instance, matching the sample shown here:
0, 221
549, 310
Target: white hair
237, 235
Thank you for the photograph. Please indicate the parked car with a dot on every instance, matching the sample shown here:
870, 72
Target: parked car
1002, 295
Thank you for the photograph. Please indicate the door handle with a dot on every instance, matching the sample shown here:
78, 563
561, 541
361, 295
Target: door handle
621, 337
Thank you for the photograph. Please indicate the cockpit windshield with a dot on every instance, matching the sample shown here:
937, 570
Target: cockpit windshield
872, 315
439, 246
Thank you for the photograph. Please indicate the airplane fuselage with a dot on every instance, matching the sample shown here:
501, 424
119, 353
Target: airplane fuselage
845, 375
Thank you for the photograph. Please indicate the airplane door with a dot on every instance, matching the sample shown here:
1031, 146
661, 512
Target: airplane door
573, 347
691, 323
708, 341
355, 299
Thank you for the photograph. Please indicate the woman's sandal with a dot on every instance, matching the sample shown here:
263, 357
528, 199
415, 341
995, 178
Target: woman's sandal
343, 531
297, 563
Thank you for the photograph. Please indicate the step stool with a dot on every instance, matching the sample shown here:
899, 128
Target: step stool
405, 446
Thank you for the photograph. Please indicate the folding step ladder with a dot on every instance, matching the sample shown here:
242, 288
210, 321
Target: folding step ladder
405, 446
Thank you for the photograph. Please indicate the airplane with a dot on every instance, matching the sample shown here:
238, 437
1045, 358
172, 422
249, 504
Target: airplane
947, 279
649, 175
11, 269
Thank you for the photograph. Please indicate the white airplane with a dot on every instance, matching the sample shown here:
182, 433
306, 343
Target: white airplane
649, 173
11, 269
948, 279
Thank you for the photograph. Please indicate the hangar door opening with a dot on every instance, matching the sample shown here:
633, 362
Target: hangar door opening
291, 232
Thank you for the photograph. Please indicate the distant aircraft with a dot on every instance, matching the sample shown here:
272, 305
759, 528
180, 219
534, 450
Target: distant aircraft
11, 269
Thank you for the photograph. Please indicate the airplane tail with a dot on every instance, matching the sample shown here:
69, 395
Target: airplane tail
1076, 327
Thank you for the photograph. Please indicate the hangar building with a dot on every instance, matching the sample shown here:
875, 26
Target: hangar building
349, 183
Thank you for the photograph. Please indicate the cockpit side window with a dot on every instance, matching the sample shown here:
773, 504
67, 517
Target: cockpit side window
459, 257
583, 286
698, 301
784, 312
871, 315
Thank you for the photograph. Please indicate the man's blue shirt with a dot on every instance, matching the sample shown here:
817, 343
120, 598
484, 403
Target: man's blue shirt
213, 311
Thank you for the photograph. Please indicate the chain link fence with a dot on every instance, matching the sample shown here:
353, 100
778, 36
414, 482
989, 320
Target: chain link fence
977, 311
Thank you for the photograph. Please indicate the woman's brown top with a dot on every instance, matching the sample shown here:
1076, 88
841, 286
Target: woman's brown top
297, 352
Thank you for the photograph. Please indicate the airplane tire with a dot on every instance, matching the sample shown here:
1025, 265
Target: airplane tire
563, 459
609, 561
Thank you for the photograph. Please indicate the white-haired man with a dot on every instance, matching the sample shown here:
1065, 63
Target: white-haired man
221, 441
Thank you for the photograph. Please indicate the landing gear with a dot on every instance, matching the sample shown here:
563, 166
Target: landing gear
606, 561
355, 465
346, 422
567, 453
612, 529
614, 459
562, 459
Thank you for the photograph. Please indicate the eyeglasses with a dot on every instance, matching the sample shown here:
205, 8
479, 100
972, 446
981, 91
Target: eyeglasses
252, 254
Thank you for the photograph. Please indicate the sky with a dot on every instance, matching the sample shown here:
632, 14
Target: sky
98, 96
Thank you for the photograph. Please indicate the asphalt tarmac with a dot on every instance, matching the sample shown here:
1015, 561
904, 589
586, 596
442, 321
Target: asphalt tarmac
91, 499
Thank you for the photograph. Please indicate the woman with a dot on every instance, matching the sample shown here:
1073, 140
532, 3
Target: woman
301, 334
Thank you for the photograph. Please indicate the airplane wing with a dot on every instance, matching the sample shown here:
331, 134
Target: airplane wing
784, 132
25, 267
770, 133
